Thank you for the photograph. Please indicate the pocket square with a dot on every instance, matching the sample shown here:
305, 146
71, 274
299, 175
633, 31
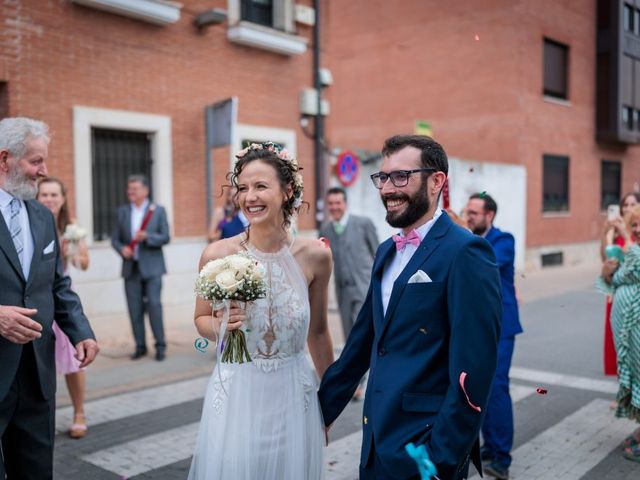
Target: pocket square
420, 277
49, 248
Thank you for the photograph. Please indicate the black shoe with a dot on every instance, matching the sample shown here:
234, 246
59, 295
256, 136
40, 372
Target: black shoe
497, 470
486, 455
160, 355
139, 353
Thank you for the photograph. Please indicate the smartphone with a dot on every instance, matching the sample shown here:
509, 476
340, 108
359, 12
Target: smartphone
613, 212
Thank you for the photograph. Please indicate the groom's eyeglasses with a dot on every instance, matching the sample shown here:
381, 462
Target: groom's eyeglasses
399, 178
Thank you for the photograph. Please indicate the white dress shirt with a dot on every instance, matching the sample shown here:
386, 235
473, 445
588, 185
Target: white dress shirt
27, 238
137, 216
396, 263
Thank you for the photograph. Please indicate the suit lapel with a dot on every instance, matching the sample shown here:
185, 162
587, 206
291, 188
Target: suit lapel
6, 245
38, 232
428, 246
384, 252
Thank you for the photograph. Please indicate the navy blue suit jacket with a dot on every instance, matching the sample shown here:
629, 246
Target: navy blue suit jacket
431, 333
503, 245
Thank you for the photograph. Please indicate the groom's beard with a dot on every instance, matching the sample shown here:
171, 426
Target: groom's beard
416, 207
19, 185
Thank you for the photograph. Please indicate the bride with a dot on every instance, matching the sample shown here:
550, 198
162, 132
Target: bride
262, 420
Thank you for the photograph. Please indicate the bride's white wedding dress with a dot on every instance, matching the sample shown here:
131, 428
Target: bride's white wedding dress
261, 420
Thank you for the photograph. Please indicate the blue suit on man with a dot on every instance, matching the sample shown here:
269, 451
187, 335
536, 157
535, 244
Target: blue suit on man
431, 333
497, 429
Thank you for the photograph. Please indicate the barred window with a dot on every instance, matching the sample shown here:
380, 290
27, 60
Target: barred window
555, 172
116, 155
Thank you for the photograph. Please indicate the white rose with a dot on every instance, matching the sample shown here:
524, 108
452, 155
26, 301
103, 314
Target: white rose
240, 264
226, 280
258, 272
213, 268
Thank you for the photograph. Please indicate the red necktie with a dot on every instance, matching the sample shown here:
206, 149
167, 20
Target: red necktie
411, 238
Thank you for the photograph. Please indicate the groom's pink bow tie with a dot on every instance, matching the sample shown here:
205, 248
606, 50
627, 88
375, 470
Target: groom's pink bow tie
411, 238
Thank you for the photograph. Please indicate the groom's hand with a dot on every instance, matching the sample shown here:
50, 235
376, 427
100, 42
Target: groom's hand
86, 351
16, 326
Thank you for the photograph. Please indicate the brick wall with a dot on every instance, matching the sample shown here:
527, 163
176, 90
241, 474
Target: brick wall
421, 60
56, 55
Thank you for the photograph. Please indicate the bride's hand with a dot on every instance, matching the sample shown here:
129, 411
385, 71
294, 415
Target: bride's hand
237, 316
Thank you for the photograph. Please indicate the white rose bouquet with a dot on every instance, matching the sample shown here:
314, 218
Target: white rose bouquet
73, 235
235, 277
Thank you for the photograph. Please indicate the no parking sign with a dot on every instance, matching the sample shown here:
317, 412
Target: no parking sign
347, 168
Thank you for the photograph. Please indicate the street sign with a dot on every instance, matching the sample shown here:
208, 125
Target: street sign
347, 168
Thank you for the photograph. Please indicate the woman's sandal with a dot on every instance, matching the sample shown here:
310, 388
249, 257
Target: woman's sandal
79, 427
632, 440
632, 453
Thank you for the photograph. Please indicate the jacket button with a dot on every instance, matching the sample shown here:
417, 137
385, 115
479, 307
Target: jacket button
382, 352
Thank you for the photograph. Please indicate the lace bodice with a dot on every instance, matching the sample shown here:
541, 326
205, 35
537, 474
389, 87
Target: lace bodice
277, 325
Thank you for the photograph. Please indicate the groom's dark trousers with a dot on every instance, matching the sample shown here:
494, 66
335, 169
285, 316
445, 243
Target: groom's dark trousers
28, 372
434, 336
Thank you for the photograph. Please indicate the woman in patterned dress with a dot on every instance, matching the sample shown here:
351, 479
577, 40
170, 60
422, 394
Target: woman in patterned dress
625, 321
613, 234
262, 419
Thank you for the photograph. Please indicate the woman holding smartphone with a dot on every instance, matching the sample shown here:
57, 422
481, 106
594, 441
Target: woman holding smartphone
614, 233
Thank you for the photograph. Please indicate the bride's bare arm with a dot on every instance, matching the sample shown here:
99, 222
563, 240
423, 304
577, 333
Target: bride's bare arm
202, 315
319, 340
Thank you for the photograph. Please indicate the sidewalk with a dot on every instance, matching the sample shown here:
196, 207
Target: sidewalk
113, 372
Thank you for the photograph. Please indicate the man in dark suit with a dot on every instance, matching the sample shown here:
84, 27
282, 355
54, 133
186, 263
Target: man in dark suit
353, 241
497, 429
34, 291
140, 231
428, 330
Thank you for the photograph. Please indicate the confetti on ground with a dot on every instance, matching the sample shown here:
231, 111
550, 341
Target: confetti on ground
541, 391
201, 344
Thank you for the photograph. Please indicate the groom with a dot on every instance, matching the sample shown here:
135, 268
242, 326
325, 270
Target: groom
428, 330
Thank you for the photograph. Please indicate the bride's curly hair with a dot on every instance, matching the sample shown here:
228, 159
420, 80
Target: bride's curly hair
287, 171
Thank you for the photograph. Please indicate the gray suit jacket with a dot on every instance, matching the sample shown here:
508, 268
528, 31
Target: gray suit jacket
353, 253
150, 257
47, 289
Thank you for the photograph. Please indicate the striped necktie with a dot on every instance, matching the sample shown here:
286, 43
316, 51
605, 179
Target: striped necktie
15, 228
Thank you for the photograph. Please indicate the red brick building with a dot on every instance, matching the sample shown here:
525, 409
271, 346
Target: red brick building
508, 87
125, 89
475, 71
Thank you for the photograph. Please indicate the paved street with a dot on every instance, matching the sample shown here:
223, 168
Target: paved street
143, 415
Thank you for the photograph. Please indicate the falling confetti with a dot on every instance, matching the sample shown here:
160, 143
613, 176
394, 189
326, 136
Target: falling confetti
324, 241
541, 391
477, 37
463, 376
201, 344
483, 194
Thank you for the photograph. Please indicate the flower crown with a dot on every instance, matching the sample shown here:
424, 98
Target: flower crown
284, 155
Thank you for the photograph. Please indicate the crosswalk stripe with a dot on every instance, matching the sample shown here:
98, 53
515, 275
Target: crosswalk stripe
544, 378
128, 404
571, 447
147, 453
343, 456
